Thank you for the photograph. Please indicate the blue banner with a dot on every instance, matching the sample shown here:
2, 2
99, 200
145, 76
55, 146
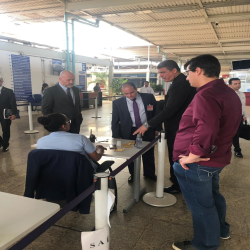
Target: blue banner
57, 61
82, 81
21, 77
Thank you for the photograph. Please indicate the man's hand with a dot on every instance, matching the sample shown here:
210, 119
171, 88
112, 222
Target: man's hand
191, 158
100, 149
141, 130
12, 117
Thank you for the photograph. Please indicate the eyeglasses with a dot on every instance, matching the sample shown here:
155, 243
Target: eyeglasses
69, 121
186, 73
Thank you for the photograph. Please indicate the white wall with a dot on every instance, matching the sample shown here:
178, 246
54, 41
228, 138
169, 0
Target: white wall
36, 56
36, 71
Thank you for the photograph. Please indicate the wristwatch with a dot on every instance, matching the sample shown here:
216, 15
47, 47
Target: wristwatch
147, 125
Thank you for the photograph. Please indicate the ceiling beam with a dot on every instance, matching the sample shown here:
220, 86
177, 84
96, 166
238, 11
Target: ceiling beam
221, 57
215, 49
228, 17
235, 40
98, 4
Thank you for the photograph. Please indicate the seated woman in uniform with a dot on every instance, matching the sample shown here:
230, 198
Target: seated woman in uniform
59, 139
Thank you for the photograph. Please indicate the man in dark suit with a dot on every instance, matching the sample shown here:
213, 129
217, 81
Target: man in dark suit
64, 98
179, 96
130, 112
7, 101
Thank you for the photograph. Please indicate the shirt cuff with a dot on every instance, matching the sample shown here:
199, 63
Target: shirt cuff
198, 150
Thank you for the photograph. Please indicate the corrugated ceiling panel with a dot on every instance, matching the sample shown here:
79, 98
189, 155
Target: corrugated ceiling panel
131, 18
234, 35
160, 28
228, 10
236, 44
15, 6
232, 24
178, 33
177, 14
233, 29
141, 6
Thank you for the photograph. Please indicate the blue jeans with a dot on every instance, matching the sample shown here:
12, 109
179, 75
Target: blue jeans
200, 188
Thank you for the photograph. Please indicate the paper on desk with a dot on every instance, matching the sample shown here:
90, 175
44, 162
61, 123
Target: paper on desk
111, 200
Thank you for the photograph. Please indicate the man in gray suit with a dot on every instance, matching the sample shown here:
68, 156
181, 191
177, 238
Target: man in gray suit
64, 98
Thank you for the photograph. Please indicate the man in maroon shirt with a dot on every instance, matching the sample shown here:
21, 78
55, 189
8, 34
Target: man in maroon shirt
202, 149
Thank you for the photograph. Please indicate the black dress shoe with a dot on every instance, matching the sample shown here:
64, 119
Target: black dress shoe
152, 177
239, 154
5, 149
130, 179
172, 190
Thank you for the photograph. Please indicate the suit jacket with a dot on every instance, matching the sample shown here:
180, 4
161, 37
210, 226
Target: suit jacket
58, 175
121, 121
55, 100
179, 96
7, 101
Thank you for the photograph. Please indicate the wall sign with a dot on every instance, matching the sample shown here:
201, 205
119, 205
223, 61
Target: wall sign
21, 77
84, 67
57, 61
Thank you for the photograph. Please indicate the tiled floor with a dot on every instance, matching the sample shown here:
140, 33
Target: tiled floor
144, 227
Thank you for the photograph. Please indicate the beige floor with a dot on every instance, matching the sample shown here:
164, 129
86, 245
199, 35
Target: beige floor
143, 227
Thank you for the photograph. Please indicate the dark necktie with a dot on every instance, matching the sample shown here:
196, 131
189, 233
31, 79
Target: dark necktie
136, 114
69, 95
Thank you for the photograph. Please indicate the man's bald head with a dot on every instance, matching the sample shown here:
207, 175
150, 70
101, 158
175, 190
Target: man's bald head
67, 78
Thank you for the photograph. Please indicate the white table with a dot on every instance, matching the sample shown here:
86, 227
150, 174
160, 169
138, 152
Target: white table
20, 215
127, 154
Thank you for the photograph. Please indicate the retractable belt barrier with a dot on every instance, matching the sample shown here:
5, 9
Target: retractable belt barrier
98, 185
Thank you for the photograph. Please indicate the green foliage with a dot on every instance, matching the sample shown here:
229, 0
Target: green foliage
101, 77
116, 85
155, 87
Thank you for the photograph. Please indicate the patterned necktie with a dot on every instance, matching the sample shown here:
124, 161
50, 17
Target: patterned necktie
69, 95
136, 114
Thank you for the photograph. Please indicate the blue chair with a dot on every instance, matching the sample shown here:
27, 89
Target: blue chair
36, 101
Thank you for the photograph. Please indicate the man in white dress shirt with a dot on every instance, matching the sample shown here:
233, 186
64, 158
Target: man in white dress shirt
146, 89
235, 84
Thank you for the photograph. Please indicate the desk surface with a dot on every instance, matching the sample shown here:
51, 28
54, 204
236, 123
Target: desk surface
20, 215
126, 154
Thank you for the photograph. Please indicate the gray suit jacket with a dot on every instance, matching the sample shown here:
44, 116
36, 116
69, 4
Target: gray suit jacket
55, 100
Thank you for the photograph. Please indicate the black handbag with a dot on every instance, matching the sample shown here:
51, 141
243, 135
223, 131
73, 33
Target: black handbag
245, 131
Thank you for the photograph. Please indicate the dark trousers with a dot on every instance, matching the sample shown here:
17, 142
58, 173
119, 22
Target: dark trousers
170, 136
148, 158
74, 127
236, 138
4, 140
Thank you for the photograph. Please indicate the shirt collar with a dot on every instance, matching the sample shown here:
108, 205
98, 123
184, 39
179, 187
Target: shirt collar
64, 88
1, 88
207, 85
137, 97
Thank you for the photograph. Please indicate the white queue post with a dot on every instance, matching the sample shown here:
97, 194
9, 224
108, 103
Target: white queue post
31, 130
101, 201
159, 198
96, 110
